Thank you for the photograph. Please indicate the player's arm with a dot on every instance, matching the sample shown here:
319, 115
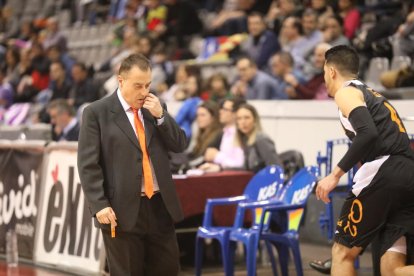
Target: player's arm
352, 105
351, 102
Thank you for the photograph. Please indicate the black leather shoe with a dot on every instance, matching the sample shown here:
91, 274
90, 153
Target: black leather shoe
322, 266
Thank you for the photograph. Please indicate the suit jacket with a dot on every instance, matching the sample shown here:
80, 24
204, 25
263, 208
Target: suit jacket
72, 134
110, 160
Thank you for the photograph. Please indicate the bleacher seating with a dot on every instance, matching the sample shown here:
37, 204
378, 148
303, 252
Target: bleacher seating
377, 66
399, 62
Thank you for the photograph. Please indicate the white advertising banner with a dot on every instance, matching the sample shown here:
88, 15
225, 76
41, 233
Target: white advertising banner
66, 236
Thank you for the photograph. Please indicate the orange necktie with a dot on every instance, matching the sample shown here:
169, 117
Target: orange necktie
146, 167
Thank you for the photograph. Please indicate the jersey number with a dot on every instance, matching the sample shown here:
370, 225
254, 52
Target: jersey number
394, 116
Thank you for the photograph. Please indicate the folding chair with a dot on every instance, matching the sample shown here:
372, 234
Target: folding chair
262, 186
326, 219
291, 200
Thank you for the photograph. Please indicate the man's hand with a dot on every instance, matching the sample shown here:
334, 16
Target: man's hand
325, 186
107, 216
291, 79
210, 154
239, 88
152, 103
291, 92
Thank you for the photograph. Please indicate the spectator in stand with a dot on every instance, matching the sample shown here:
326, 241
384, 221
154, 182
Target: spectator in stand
12, 60
176, 91
312, 34
117, 10
282, 66
162, 70
182, 21
227, 152
259, 149
261, 43
188, 110
83, 89
323, 10
156, 16
351, 17
218, 87
209, 128
53, 36
40, 64
56, 55
222, 11
62, 117
403, 39
293, 41
279, 11
315, 87
34, 74
59, 88
253, 84
22, 74
333, 32
6, 91
27, 29
9, 24
145, 45
229, 23
60, 84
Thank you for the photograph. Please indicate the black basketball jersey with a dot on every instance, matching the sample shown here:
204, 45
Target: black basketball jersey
393, 138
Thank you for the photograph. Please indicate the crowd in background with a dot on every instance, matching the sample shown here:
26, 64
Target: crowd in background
274, 49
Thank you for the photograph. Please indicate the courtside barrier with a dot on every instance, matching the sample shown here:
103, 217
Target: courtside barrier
41, 197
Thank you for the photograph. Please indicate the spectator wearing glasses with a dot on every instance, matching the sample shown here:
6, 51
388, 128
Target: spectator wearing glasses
227, 152
62, 117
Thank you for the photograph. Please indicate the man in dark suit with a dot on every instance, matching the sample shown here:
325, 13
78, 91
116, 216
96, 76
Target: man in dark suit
125, 174
62, 117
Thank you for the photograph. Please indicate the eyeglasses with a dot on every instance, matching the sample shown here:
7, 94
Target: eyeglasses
227, 109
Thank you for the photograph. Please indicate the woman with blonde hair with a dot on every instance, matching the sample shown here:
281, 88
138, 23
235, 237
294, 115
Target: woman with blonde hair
259, 148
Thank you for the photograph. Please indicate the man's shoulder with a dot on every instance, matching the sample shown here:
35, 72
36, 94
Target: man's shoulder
263, 76
103, 103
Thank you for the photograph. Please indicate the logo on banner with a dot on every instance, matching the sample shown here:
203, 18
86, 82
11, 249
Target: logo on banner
18, 202
67, 232
19, 196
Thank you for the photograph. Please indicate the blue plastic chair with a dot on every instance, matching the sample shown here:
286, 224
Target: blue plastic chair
326, 219
291, 200
262, 186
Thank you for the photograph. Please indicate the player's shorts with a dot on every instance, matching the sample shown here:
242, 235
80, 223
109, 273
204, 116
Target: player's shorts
381, 203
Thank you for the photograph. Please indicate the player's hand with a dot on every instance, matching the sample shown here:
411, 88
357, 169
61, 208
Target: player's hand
152, 103
325, 186
107, 216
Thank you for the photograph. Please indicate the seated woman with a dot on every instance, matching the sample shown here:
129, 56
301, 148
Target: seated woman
259, 149
208, 128
188, 111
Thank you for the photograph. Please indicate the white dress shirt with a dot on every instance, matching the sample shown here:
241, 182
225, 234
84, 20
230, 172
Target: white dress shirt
130, 114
